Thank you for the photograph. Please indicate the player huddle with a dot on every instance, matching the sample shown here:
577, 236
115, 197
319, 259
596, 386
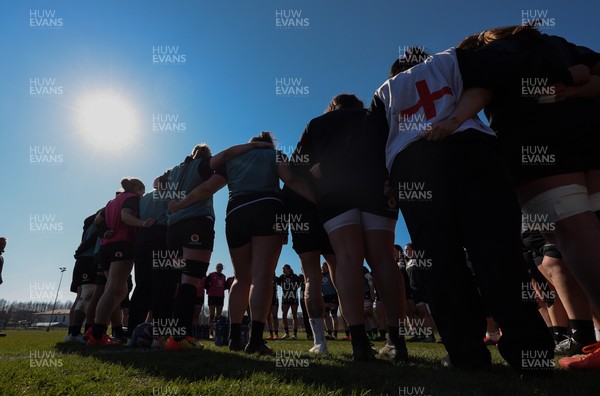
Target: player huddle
466, 190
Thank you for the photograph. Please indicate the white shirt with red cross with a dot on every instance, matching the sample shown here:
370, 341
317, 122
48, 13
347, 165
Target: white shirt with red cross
421, 96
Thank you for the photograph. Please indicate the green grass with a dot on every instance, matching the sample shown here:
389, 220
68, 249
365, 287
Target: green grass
25, 370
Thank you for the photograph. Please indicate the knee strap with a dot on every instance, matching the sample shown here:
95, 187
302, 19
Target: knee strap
87, 291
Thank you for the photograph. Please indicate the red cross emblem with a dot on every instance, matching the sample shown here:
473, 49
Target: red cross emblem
426, 100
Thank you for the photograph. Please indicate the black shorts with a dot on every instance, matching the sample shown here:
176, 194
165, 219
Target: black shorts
197, 233
307, 231
289, 302
98, 263
257, 217
537, 245
331, 299
84, 273
117, 251
533, 241
550, 250
218, 301
531, 155
334, 205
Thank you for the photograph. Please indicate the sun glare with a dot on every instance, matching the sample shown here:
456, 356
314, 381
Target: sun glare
107, 121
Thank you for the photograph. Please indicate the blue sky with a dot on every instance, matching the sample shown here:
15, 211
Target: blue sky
221, 85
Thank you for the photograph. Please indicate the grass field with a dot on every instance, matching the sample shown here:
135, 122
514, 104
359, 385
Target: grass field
38, 363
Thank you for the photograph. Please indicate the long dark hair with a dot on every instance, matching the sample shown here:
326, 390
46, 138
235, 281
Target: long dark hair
130, 184
478, 40
263, 137
344, 101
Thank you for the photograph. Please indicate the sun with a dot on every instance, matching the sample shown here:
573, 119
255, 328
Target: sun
107, 121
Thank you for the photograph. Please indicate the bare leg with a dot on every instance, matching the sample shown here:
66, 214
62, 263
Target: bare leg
349, 249
239, 293
116, 289
265, 253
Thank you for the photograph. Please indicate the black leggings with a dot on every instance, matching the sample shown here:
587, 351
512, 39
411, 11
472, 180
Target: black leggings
155, 283
466, 202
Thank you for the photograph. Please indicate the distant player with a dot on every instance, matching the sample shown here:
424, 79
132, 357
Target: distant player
272, 318
290, 283
2, 246
331, 303
216, 282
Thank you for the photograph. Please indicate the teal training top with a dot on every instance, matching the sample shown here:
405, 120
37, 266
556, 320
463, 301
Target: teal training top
253, 172
184, 178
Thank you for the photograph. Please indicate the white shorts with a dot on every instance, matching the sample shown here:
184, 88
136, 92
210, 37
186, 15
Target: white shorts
557, 204
369, 221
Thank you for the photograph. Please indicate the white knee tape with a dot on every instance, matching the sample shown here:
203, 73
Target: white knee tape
595, 201
557, 204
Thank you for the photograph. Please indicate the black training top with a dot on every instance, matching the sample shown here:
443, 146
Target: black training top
521, 70
351, 157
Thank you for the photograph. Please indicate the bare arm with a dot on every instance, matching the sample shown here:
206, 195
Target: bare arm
299, 185
200, 193
580, 73
128, 217
235, 151
470, 103
590, 89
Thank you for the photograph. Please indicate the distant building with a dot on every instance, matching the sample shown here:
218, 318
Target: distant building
59, 319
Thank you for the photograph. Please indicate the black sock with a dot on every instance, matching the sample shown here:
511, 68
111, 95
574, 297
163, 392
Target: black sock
87, 327
256, 333
118, 332
582, 331
74, 330
359, 335
382, 333
559, 333
369, 334
235, 331
98, 330
271, 332
347, 331
183, 309
295, 332
328, 332
287, 331
335, 333
394, 337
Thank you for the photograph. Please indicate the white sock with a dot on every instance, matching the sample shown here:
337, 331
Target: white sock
318, 327
597, 331
493, 335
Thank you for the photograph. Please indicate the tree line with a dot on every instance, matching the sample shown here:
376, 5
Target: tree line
21, 313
